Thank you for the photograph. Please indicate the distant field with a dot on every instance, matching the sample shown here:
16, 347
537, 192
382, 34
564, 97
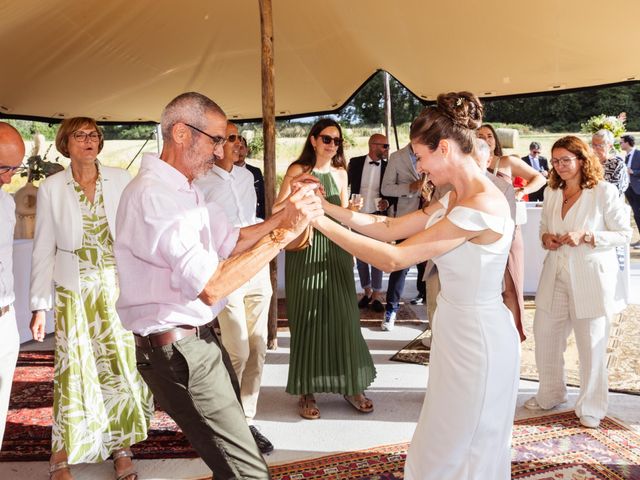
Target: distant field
119, 153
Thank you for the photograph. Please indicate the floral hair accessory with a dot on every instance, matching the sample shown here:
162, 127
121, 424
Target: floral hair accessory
459, 101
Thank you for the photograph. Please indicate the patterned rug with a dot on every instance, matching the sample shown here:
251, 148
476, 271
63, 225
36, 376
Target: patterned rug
623, 352
553, 447
367, 316
28, 433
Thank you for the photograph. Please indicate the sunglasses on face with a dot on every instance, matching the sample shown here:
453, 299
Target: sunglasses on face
234, 137
327, 139
383, 145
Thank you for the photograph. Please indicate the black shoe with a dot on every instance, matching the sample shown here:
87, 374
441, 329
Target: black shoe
419, 300
377, 306
264, 445
364, 302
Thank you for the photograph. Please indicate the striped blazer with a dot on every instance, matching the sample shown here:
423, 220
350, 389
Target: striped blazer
593, 270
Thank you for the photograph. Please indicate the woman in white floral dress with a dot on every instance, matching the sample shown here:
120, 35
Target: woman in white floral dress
101, 405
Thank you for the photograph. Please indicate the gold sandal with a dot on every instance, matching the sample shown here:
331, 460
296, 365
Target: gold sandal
307, 407
129, 472
56, 467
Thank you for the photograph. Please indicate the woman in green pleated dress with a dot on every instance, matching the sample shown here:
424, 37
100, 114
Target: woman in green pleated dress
328, 352
101, 406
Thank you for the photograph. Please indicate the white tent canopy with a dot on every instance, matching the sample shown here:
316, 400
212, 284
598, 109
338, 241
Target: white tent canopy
123, 60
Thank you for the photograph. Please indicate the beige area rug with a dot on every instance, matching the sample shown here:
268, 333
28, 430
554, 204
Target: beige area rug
623, 352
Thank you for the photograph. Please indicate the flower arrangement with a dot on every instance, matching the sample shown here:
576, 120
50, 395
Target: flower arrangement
608, 122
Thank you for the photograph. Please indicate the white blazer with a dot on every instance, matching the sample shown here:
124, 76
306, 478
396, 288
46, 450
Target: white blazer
592, 270
399, 173
59, 231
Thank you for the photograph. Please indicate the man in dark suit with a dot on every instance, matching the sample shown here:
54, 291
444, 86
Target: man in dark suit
632, 160
539, 164
258, 179
365, 175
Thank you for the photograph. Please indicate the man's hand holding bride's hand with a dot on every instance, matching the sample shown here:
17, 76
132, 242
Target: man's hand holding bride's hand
301, 207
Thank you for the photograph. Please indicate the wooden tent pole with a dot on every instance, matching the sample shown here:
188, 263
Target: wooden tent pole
387, 105
269, 136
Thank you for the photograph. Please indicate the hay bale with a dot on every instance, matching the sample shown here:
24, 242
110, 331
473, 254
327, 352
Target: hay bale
508, 137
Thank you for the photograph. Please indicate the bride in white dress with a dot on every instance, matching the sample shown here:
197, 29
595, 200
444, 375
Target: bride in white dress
464, 430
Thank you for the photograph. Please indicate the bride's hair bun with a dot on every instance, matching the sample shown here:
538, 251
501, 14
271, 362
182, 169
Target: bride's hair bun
463, 108
456, 116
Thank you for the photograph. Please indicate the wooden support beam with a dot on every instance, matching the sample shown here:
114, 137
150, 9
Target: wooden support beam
269, 136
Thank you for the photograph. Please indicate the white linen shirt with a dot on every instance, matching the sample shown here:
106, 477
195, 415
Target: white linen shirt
233, 191
8, 222
370, 184
168, 244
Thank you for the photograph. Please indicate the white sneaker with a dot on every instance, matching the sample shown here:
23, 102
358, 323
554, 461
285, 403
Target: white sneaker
589, 421
533, 405
389, 321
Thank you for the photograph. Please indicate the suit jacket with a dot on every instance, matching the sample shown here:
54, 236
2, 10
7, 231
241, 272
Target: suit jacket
354, 173
258, 184
59, 231
544, 164
593, 271
399, 174
634, 178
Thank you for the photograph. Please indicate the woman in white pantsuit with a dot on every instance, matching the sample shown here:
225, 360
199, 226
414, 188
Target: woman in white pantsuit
583, 220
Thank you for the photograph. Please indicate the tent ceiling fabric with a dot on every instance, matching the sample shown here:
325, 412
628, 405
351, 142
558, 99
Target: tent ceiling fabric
122, 60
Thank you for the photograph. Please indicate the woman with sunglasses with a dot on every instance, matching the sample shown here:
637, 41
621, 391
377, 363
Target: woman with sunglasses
508, 167
328, 352
583, 220
101, 406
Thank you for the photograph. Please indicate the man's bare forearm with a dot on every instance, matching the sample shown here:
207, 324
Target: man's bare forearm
249, 236
239, 269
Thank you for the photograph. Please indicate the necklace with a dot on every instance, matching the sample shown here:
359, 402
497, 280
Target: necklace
565, 199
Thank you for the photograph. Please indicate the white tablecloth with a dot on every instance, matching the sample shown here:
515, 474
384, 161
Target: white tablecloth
533, 252
21, 274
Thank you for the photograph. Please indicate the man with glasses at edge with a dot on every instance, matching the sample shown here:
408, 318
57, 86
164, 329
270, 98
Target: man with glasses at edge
178, 259
539, 164
365, 175
11, 156
244, 320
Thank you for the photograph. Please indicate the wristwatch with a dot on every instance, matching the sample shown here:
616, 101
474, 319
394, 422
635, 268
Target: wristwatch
588, 237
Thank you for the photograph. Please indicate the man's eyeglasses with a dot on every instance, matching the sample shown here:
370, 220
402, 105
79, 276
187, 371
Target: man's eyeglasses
535, 152
234, 137
598, 145
80, 136
327, 139
564, 161
218, 141
383, 145
12, 170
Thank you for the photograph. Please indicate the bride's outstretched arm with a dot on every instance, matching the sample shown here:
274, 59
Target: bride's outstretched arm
429, 243
381, 227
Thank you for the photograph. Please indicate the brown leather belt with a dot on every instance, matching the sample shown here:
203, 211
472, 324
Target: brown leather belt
5, 309
161, 339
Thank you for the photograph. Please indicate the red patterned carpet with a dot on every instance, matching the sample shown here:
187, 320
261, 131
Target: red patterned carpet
28, 433
553, 447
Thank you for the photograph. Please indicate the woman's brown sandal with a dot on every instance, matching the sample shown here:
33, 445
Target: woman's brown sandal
129, 472
56, 467
307, 407
365, 405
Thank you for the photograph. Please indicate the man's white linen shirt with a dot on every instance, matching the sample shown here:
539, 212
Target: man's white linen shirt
8, 222
169, 242
233, 191
370, 184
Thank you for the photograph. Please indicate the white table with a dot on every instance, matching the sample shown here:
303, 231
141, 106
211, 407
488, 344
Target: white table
21, 274
533, 252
